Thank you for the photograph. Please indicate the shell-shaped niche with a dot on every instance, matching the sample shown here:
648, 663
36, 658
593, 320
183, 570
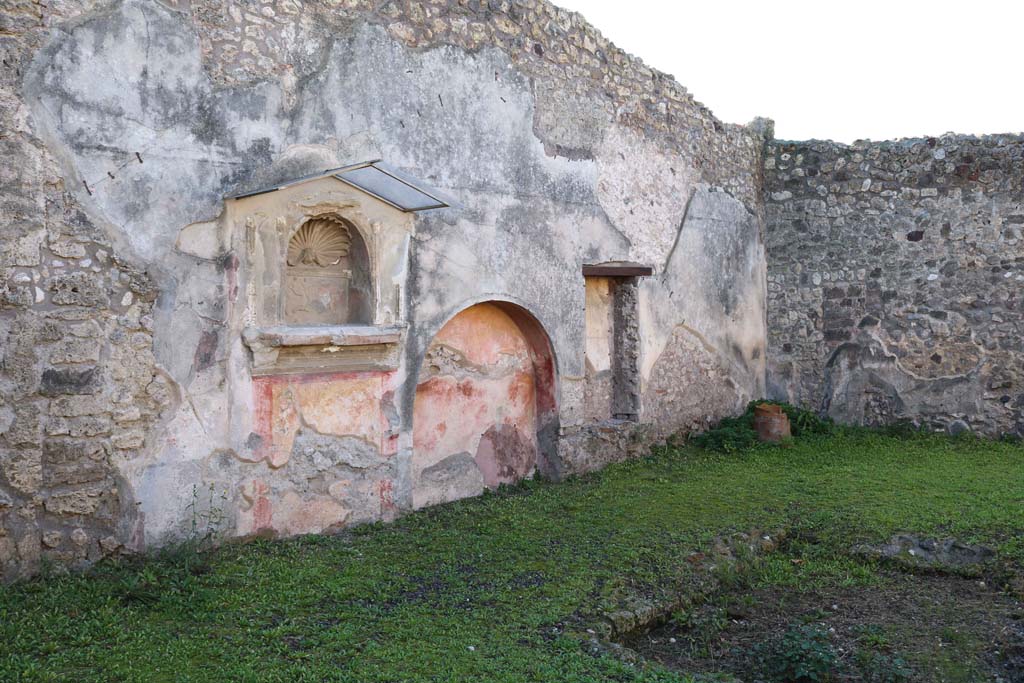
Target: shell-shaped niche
320, 242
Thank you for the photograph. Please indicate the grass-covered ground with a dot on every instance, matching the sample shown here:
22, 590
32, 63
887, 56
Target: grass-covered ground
489, 589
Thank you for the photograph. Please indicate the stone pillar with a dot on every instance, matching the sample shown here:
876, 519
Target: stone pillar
626, 354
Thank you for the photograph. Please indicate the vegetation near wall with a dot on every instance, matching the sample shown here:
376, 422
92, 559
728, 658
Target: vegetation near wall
504, 587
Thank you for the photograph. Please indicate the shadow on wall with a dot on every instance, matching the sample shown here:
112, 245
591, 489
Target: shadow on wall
485, 411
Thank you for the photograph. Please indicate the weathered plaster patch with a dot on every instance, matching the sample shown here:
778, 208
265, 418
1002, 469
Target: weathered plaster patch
202, 240
644, 190
864, 384
713, 280
689, 387
339, 404
506, 454
571, 125
457, 476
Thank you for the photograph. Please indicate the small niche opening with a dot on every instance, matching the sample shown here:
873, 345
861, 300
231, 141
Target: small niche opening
612, 354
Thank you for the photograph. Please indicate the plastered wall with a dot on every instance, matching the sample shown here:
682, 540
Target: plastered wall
127, 382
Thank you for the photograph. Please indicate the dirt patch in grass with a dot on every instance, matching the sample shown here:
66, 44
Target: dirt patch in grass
934, 628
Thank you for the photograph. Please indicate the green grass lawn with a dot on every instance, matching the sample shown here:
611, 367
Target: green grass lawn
483, 589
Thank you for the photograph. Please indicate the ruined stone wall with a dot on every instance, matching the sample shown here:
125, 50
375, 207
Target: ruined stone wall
895, 280
125, 385
79, 389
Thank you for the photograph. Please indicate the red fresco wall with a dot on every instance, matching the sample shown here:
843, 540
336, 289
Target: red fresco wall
478, 395
336, 404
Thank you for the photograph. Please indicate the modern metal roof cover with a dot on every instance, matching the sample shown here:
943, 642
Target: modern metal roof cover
378, 180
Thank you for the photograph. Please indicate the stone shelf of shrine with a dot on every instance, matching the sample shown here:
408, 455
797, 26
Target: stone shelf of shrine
311, 349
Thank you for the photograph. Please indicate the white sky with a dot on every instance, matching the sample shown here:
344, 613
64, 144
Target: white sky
838, 69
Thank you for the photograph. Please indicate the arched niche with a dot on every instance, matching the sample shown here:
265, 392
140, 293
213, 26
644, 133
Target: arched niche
485, 411
327, 274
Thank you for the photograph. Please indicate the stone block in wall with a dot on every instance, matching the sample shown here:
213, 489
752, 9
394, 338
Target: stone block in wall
24, 250
65, 248
85, 500
26, 428
28, 546
68, 462
79, 289
53, 539
22, 468
70, 380
132, 438
17, 296
58, 451
87, 425
126, 413
76, 406
21, 357
86, 329
48, 331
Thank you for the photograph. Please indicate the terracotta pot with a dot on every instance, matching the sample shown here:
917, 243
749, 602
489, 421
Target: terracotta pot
771, 423
768, 409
